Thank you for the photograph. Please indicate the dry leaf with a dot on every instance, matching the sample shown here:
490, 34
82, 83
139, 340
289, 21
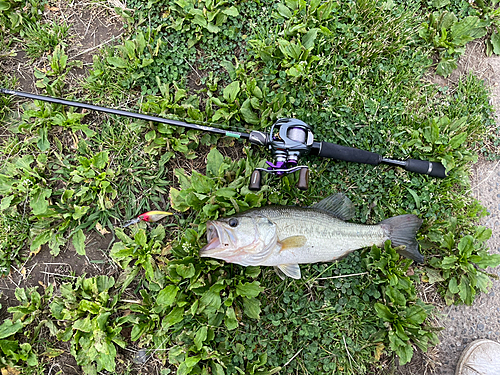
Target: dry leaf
378, 351
101, 229
10, 371
36, 251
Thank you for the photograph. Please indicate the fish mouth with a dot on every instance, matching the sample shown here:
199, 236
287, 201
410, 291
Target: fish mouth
213, 244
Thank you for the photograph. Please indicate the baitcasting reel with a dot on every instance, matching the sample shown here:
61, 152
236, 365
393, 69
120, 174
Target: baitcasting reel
288, 139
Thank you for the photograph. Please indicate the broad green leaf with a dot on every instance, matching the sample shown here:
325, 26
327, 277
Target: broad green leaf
482, 234
405, 354
214, 161
120, 251
449, 262
89, 306
293, 4
100, 159
43, 142
309, 38
466, 246
464, 31
158, 233
284, 10
104, 283
384, 312
79, 241
6, 201
140, 238
465, 290
167, 295
185, 271
25, 162
483, 282
8, 328
212, 28
4, 5
250, 290
83, 325
440, 3
174, 317
415, 315
231, 91
41, 239
252, 271
117, 62
453, 285
80, 211
433, 275
251, 307
210, 298
396, 297
230, 319
138, 330
446, 66
248, 114
225, 192
107, 358
486, 260
200, 337
231, 11
457, 140
495, 42
177, 201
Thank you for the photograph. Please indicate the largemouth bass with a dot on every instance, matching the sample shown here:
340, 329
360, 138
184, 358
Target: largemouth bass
286, 236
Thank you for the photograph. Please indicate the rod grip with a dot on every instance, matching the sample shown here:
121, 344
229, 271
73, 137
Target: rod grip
434, 169
334, 151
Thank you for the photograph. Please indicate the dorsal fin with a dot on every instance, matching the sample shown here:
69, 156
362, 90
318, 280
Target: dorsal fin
337, 205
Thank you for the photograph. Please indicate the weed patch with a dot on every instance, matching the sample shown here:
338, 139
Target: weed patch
353, 71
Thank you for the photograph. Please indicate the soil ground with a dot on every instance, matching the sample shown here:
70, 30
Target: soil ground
92, 28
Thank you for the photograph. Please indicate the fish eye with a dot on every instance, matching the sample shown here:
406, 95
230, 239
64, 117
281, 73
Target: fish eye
233, 222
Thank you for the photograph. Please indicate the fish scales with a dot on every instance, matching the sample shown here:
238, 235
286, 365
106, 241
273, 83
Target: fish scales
328, 238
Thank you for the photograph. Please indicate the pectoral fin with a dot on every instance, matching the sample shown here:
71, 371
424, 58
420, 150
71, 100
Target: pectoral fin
293, 241
290, 270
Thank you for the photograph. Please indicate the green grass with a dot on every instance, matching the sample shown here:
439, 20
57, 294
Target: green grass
43, 38
354, 72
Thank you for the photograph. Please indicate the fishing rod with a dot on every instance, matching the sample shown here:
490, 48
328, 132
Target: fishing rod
288, 140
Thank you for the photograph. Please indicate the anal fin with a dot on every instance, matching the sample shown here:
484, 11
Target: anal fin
290, 270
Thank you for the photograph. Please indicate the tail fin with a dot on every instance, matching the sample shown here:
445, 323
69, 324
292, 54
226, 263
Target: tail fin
401, 231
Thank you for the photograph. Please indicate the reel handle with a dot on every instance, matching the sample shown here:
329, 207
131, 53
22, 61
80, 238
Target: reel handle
303, 183
255, 180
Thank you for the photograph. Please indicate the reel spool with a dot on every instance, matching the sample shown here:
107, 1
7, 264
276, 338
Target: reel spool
288, 139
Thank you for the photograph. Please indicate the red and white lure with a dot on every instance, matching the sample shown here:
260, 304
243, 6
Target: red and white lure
150, 217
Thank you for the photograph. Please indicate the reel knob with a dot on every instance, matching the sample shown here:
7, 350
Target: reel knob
303, 183
255, 180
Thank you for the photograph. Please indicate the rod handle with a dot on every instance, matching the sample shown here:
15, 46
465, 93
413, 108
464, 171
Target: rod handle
431, 168
334, 151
